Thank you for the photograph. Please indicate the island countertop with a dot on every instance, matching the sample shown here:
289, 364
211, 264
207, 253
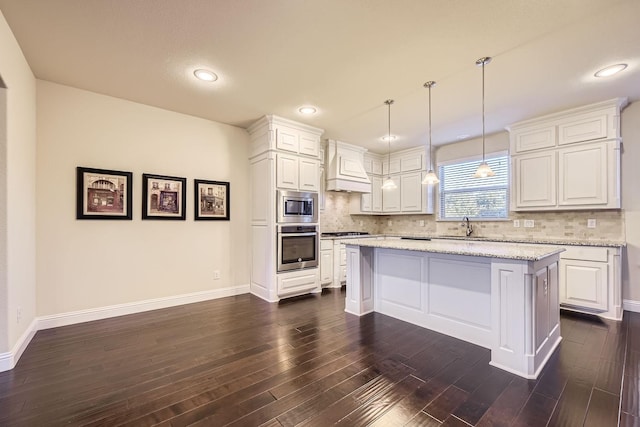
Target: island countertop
530, 252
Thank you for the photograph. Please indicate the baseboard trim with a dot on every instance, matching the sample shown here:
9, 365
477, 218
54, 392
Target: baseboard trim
9, 359
631, 305
81, 316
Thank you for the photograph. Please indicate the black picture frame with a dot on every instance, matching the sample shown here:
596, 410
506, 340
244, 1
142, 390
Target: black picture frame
164, 197
103, 194
212, 200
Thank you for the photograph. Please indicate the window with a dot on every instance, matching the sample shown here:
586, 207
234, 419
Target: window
477, 198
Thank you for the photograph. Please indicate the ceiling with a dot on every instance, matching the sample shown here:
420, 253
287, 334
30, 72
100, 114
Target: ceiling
346, 57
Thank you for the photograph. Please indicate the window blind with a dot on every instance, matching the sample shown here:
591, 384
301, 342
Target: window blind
477, 198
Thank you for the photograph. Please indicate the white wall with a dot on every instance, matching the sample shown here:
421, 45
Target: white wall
631, 200
85, 264
18, 180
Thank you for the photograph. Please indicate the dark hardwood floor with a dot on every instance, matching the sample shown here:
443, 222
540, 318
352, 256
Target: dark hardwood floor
243, 362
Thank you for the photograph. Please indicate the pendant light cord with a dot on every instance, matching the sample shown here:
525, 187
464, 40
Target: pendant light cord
430, 151
389, 102
483, 63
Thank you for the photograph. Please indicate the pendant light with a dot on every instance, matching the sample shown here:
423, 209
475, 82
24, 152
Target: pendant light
484, 170
388, 183
430, 178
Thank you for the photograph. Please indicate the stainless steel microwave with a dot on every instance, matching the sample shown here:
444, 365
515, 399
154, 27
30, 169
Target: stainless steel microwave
296, 206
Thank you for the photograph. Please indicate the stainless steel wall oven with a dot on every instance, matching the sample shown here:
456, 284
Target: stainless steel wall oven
297, 247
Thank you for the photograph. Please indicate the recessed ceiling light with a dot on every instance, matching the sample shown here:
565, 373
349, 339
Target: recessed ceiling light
389, 138
610, 70
307, 110
205, 75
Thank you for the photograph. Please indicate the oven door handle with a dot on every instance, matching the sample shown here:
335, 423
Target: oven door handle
298, 234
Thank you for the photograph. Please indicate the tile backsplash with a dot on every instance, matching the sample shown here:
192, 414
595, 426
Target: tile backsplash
565, 225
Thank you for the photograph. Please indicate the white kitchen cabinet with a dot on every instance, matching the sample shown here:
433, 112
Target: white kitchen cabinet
411, 192
309, 144
326, 262
391, 197
584, 127
297, 173
590, 280
287, 171
534, 180
568, 160
286, 139
411, 162
392, 166
376, 194
583, 175
365, 202
321, 192
298, 282
309, 174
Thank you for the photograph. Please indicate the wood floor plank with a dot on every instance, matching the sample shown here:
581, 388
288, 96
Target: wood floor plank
304, 361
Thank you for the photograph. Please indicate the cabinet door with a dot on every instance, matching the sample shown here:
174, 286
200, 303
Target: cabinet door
411, 192
376, 194
309, 178
365, 202
523, 140
287, 171
411, 163
286, 139
376, 167
326, 267
535, 180
323, 185
391, 198
391, 167
583, 284
583, 175
309, 144
541, 295
586, 127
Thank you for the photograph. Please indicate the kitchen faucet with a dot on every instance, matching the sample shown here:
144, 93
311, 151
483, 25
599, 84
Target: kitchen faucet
469, 229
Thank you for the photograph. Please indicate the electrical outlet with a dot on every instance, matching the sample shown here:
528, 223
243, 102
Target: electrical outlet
18, 314
516, 223
422, 223
216, 274
389, 223
591, 223
529, 223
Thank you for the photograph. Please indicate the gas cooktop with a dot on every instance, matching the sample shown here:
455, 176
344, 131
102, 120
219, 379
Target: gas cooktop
344, 233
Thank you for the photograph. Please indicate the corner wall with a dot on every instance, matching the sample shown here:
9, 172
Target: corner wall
18, 207
631, 202
86, 264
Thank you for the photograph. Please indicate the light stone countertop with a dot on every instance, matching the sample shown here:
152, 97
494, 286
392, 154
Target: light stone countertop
532, 241
533, 252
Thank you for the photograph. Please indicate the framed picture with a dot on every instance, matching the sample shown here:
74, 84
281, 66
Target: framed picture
103, 194
211, 200
163, 197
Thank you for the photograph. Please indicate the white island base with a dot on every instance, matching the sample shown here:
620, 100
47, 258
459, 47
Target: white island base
509, 306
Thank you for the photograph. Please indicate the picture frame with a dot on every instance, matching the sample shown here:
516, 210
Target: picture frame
163, 197
103, 194
212, 200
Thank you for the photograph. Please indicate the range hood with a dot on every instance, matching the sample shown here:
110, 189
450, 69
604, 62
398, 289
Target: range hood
345, 168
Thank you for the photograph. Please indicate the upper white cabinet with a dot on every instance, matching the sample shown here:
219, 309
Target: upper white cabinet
410, 196
568, 160
297, 141
287, 174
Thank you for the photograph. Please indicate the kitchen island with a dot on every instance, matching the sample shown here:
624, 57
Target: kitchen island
500, 296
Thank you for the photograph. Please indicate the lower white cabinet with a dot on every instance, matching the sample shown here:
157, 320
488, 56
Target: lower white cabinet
298, 282
590, 280
326, 262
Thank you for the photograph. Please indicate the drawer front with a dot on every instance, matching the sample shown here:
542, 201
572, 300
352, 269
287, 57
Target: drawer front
326, 245
585, 253
301, 283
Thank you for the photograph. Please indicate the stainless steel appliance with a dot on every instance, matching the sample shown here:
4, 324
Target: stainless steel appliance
297, 247
296, 206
